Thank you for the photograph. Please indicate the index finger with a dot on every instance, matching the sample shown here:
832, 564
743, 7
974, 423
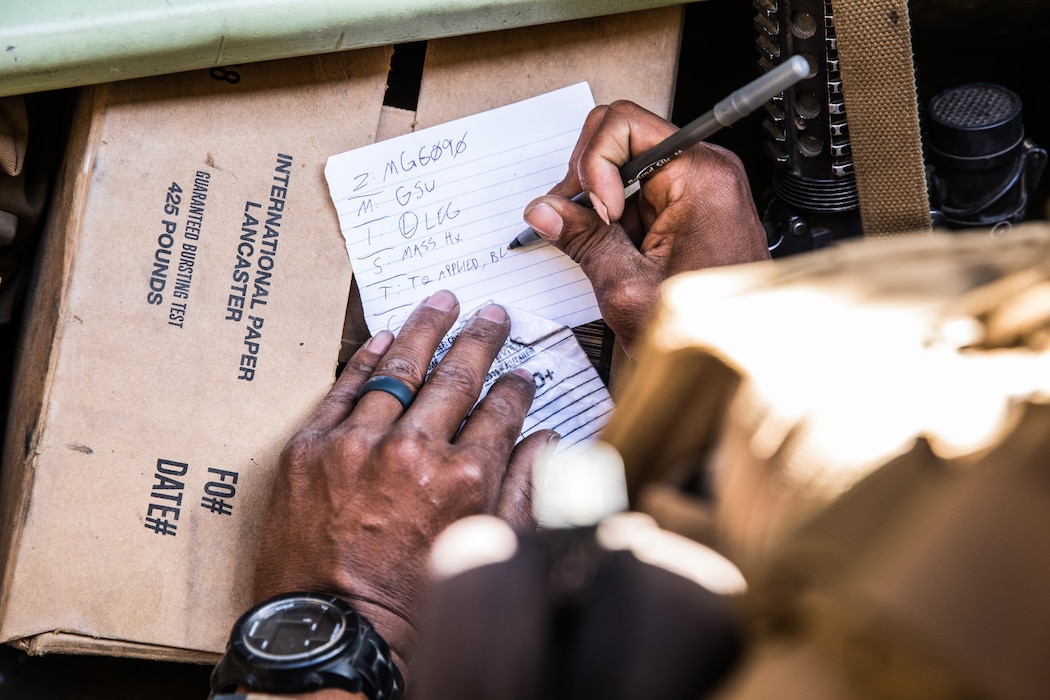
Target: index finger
570, 184
625, 131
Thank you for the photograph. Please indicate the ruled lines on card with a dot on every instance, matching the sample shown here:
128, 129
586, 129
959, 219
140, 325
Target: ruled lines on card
435, 209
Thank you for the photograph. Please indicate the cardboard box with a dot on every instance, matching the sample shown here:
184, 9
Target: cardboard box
186, 321
467, 74
189, 315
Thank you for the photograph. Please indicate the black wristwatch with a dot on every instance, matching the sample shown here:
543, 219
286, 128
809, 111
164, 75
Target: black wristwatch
301, 642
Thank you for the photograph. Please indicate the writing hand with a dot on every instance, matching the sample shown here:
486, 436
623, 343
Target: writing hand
362, 490
693, 213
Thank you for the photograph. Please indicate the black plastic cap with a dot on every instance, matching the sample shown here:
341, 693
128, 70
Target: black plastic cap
975, 126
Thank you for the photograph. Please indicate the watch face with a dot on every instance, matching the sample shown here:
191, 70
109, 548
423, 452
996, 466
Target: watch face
297, 628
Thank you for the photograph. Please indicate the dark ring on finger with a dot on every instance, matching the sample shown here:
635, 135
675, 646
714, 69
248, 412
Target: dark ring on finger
391, 385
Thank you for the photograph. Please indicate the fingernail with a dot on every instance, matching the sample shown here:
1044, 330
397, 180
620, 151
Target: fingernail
493, 312
380, 342
524, 373
443, 300
544, 220
600, 209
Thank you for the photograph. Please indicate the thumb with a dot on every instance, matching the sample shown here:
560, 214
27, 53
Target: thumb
603, 250
625, 282
515, 498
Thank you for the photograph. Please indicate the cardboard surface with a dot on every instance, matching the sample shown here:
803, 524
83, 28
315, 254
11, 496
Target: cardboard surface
467, 74
154, 395
629, 56
119, 416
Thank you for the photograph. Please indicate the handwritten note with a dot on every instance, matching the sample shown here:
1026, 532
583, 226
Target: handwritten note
435, 209
571, 398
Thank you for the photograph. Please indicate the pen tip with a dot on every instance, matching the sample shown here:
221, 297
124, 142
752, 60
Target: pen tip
514, 244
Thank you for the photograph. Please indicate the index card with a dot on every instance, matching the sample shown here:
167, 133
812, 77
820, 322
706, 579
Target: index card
435, 209
571, 398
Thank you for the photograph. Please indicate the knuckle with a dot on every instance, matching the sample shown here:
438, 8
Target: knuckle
404, 369
467, 472
623, 107
719, 168
357, 363
627, 308
458, 378
406, 444
310, 447
426, 322
510, 396
597, 112
584, 244
454, 482
300, 448
488, 334
628, 291
594, 118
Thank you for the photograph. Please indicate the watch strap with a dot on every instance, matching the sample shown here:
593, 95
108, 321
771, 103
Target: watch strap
364, 666
378, 675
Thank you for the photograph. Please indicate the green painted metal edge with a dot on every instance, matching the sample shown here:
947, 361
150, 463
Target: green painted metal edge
51, 44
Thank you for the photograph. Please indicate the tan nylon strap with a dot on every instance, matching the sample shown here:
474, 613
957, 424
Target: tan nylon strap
14, 132
878, 86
